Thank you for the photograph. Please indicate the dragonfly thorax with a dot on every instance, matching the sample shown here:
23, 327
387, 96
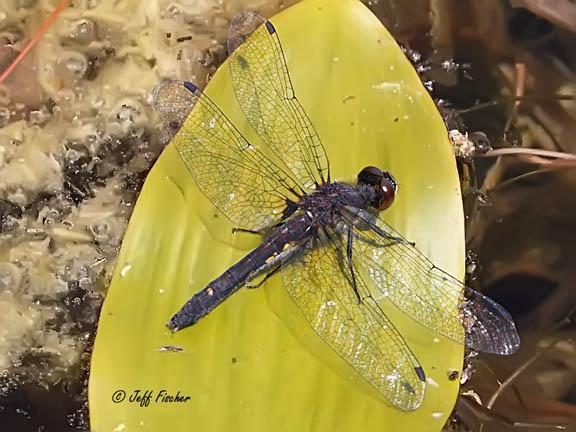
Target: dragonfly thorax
327, 202
375, 189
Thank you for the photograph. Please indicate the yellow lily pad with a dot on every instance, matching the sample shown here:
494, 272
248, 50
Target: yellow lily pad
252, 364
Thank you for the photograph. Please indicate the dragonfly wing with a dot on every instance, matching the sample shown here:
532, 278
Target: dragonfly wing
265, 94
404, 276
361, 333
240, 181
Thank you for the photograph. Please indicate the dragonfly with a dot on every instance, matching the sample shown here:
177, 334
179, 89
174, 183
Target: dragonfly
337, 258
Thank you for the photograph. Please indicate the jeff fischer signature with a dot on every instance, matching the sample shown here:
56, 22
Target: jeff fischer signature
145, 397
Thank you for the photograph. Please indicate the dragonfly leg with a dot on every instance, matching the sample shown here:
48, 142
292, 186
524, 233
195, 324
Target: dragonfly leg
392, 239
351, 265
272, 266
387, 236
244, 230
264, 279
260, 231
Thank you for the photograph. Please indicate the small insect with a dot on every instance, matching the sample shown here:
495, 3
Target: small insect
335, 255
453, 375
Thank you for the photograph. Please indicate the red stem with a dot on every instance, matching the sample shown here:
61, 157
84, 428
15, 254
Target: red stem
35, 38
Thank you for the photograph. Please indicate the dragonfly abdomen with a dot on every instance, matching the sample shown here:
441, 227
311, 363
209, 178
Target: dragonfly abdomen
206, 300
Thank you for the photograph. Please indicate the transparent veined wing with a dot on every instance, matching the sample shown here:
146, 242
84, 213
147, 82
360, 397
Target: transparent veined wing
249, 188
265, 94
401, 274
360, 333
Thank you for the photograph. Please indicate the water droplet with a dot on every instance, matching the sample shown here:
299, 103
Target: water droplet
4, 116
472, 264
483, 200
83, 31
415, 56
394, 87
481, 142
449, 65
467, 372
75, 63
125, 269
85, 283
422, 68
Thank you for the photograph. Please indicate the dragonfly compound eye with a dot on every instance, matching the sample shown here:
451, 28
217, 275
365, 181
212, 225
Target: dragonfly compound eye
388, 189
381, 184
387, 194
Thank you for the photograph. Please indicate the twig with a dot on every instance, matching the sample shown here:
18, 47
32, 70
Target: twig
35, 38
560, 12
508, 381
506, 99
527, 151
483, 415
519, 88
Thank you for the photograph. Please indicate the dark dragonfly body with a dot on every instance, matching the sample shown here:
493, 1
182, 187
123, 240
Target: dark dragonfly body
338, 260
314, 211
203, 302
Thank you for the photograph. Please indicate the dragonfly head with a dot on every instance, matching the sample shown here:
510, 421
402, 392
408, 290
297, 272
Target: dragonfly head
379, 187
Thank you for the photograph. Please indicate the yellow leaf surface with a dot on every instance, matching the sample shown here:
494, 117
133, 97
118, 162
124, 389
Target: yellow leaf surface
253, 364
